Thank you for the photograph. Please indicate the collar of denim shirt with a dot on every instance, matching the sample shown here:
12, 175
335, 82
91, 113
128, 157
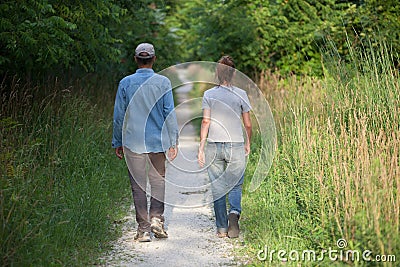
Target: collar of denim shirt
145, 70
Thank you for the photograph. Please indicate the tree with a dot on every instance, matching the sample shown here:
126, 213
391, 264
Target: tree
291, 33
38, 36
146, 21
283, 35
210, 29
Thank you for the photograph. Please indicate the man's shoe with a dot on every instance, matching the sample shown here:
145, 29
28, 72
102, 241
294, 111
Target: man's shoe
157, 227
233, 225
142, 236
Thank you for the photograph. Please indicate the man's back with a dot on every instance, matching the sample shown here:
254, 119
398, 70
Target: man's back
148, 101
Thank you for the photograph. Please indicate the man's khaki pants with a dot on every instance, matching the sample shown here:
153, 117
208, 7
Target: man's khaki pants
141, 167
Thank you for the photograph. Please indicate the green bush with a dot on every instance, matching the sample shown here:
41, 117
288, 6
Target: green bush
61, 185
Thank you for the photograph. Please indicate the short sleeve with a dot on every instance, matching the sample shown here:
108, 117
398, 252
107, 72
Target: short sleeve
205, 104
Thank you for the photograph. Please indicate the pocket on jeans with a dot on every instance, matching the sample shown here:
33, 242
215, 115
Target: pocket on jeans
210, 152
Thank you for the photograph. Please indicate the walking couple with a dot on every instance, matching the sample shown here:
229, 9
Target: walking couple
145, 99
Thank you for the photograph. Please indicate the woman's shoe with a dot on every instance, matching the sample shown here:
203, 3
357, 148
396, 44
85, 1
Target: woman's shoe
233, 225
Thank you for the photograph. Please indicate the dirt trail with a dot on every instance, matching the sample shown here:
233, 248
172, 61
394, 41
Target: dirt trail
188, 213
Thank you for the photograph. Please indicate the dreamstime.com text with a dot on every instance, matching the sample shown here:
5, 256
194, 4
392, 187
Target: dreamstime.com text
339, 253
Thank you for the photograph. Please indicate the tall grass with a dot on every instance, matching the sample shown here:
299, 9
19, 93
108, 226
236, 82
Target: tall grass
60, 183
337, 169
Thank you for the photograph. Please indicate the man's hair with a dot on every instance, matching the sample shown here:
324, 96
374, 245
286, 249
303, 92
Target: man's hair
144, 61
225, 69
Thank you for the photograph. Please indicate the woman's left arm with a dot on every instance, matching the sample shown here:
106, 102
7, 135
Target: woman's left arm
248, 128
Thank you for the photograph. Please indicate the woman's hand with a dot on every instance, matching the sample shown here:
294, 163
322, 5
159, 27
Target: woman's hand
247, 149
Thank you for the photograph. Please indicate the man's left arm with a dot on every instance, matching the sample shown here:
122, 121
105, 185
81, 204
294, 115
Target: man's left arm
171, 123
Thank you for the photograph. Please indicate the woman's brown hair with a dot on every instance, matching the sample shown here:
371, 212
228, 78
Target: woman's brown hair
225, 69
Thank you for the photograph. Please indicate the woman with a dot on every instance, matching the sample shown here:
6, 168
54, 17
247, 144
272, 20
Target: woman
224, 108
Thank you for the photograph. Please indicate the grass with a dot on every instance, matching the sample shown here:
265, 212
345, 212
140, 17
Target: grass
336, 173
61, 186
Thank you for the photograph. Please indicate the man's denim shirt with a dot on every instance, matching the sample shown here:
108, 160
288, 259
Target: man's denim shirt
144, 116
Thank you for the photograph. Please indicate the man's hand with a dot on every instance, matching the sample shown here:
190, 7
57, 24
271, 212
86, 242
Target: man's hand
247, 149
172, 153
119, 151
201, 158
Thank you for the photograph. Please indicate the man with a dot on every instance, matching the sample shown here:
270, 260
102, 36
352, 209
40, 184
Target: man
224, 108
144, 128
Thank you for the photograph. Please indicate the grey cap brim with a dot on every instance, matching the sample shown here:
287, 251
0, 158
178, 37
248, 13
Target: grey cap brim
144, 57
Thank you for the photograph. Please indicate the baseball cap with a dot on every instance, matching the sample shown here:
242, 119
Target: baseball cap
145, 48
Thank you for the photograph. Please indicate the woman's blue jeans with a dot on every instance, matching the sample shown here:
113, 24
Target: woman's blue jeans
226, 165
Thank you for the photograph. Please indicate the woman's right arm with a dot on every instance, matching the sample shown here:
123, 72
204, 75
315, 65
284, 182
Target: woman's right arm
205, 125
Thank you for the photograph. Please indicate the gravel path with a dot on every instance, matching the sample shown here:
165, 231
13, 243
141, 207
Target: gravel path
188, 213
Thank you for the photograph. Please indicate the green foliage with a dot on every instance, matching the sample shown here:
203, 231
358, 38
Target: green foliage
298, 28
146, 21
286, 36
380, 18
93, 42
44, 36
36, 36
259, 34
215, 28
60, 188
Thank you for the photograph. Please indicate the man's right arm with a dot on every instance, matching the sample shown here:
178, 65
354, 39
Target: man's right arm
118, 120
